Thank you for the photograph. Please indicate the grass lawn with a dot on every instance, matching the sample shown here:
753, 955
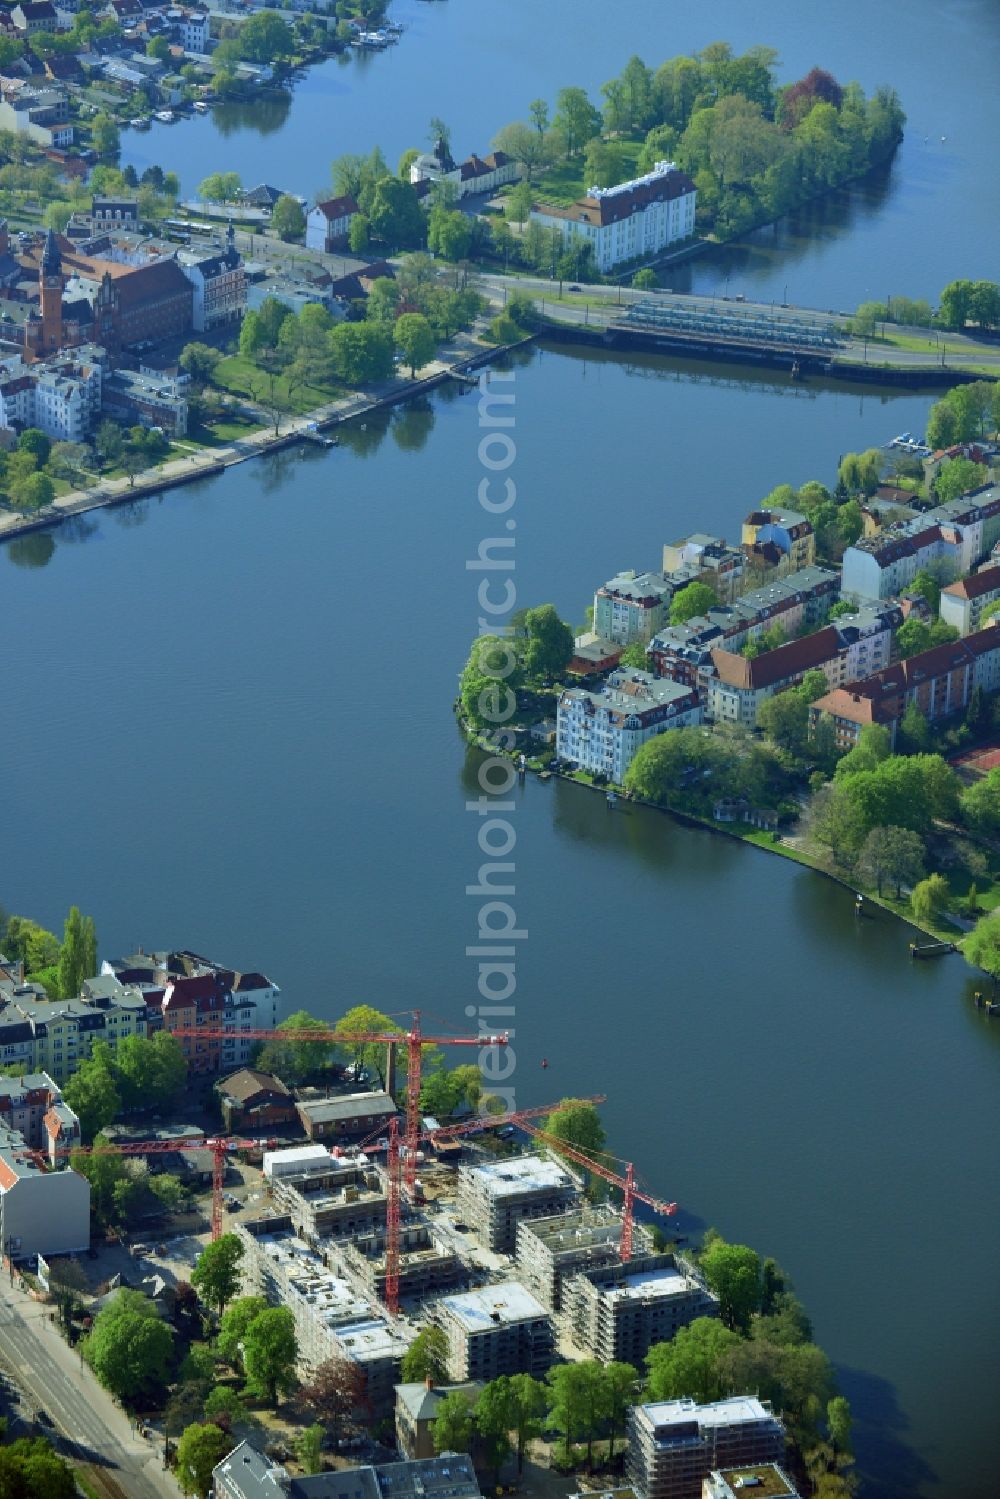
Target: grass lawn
563, 183
241, 377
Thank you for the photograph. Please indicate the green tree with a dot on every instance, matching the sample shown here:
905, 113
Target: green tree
873, 746
199, 1451
548, 645
288, 219
784, 718
494, 1417
645, 280
529, 1402
309, 1449
958, 477
104, 1170
150, 1071
92, 1092
930, 899
838, 1421
575, 1122
31, 1469
454, 1422
36, 442
577, 1403
733, 1271
265, 38
75, 956
449, 233
981, 804
530, 148
159, 48
395, 216
295, 1061
893, 856
913, 736
350, 1029
600, 164
415, 340
634, 656
426, 1357
982, 946
489, 682
620, 1381
576, 119
929, 587
519, 203
217, 1274
129, 1348
358, 234
269, 1354
104, 135
694, 598
31, 491
691, 1365
199, 361
233, 1326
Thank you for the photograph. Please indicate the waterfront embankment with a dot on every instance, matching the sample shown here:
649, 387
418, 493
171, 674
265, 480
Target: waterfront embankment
464, 357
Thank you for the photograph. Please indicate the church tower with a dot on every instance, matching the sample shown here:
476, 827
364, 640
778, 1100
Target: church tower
50, 282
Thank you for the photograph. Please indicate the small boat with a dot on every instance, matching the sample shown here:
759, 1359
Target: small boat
141, 123
545, 1062
166, 115
200, 106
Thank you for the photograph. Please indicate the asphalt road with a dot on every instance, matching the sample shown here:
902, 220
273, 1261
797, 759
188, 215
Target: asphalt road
92, 1429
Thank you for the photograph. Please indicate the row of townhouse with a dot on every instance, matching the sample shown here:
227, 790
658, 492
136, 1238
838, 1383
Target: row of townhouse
940, 682
137, 996
733, 686
949, 540
636, 606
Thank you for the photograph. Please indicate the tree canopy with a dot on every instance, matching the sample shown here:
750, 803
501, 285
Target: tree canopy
129, 1348
217, 1272
199, 1451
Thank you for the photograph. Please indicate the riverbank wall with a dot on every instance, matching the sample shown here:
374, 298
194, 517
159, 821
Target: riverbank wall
256, 444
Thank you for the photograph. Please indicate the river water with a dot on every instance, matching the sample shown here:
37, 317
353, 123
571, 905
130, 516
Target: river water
906, 231
233, 731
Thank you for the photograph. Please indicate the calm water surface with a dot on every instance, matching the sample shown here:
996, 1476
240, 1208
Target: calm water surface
233, 731
477, 65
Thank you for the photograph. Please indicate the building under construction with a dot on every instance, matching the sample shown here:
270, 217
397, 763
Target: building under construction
619, 1311
500, 1329
493, 1198
344, 1197
426, 1263
550, 1250
331, 1319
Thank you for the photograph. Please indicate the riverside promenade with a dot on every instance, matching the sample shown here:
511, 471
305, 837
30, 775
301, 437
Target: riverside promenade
462, 356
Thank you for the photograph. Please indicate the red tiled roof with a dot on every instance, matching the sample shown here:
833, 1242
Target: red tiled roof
8, 1178
338, 208
779, 665
976, 585
611, 210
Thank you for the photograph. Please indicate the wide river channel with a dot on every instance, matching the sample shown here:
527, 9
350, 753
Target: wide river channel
229, 719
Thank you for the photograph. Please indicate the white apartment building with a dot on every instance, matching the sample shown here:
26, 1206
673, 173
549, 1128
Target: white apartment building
632, 606
193, 31
633, 220
62, 396
601, 731
964, 603
41, 1212
949, 540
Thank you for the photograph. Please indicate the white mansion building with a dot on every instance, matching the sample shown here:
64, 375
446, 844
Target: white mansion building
634, 219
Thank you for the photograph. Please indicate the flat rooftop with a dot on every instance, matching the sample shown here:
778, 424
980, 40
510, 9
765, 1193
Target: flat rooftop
493, 1306
731, 1412
763, 1481
523, 1173
644, 1285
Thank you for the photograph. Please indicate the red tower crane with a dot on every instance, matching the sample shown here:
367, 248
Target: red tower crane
631, 1192
447, 1132
414, 1038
